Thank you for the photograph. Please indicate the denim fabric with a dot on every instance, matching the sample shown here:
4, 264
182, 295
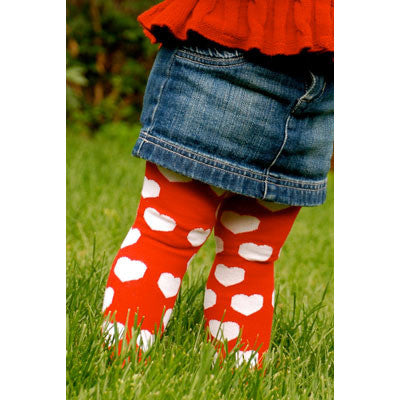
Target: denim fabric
255, 125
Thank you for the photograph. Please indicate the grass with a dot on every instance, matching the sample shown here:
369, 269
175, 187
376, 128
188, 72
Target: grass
104, 183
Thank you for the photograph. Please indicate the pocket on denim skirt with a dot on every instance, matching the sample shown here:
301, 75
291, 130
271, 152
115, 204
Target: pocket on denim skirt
208, 52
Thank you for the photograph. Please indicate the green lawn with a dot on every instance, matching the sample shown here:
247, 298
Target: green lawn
104, 183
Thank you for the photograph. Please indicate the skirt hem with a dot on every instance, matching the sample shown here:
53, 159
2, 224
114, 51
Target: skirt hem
227, 176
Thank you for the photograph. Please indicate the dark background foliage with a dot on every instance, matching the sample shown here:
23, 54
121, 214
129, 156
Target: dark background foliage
108, 61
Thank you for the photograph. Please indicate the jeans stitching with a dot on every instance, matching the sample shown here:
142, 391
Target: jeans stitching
200, 162
219, 65
300, 100
318, 95
303, 97
168, 75
299, 188
140, 146
276, 157
320, 188
210, 57
321, 182
195, 51
204, 156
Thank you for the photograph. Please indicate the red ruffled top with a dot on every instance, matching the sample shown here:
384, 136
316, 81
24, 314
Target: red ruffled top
271, 26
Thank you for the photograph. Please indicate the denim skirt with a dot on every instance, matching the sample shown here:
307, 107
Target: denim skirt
260, 126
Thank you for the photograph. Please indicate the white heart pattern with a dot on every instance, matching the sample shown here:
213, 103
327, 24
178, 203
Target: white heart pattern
225, 330
150, 188
168, 284
166, 317
173, 176
210, 298
198, 236
237, 223
247, 305
215, 359
271, 206
229, 276
245, 356
108, 298
131, 238
219, 244
129, 270
109, 330
157, 221
190, 260
255, 252
145, 339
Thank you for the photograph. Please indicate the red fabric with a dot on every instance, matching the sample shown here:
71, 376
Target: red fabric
175, 216
271, 26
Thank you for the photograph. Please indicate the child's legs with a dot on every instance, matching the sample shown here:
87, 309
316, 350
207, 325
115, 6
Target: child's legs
240, 287
175, 216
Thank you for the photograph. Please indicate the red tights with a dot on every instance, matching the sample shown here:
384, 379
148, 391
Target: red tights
176, 215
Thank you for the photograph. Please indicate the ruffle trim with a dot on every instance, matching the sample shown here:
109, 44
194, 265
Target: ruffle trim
273, 27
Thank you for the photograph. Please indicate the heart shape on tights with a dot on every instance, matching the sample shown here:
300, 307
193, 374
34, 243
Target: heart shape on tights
255, 252
129, 270
131, 238
210, 298
229, 276
108, 329
237, 223
219, 244
157, 221
226, 330
166, 317
145, 339
247, 305
150, 188
168, 284
245, 356
108, 298
198, 236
